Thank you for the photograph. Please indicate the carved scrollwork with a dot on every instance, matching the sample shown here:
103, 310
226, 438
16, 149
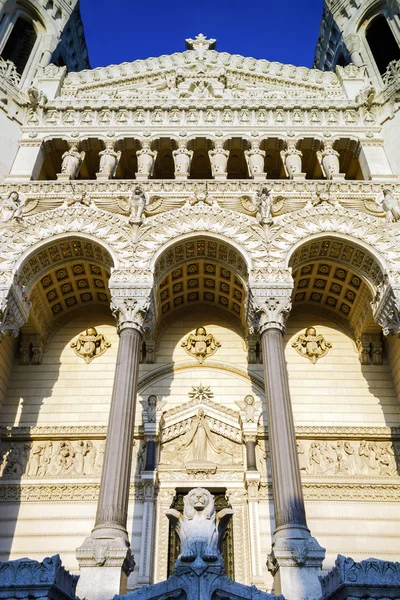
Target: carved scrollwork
201, 344
90, 344
311, 345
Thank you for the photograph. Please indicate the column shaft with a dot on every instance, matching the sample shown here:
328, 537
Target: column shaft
112, 505
286, 482
251, 455
151, 455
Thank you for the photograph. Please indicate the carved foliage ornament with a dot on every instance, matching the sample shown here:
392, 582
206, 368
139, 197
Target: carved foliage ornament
201, 344
90, 344
311, 345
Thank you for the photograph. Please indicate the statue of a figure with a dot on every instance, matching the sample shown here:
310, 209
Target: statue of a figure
11, 208
90, 344
311, 345
264, 204
200, 530
390, 205
198, 445
72, 161
137, 205
201, 344
109, 160
291, 158
219, 159
182, 159
255, 159
146, 158
329, 161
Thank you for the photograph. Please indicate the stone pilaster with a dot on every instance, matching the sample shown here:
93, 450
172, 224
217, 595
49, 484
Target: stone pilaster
296, 557
164, 501
105, 557
147, 538
252, 483
238, 500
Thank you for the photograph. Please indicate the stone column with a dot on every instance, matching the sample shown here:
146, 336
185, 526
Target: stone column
296, 557
237, 499
164, 500
147, 538
105, 557
250, 442
386, 307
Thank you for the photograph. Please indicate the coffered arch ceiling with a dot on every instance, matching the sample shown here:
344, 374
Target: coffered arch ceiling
64, 275
336, 275
201, 270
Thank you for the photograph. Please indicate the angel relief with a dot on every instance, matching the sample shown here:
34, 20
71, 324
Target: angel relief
201, 344
90, 344
311, 345
14, 206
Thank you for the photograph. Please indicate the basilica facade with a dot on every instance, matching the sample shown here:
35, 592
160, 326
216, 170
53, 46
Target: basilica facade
199, 288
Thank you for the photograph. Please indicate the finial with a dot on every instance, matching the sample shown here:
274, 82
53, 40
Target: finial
200, 44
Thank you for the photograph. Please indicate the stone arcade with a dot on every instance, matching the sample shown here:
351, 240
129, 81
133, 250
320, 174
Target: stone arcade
200, 290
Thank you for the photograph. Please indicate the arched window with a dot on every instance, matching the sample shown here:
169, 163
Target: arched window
382, 43
20, 44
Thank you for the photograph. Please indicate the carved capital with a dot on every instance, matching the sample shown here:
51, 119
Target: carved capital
386, 308
131, 303
303, 551
14, 310
269, 307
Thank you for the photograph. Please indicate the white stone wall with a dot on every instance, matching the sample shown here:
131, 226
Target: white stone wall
338, 390
10, 136
64, 390
7, 353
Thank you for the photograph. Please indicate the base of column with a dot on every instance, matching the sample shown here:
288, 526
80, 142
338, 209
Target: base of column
105, 565
295, 562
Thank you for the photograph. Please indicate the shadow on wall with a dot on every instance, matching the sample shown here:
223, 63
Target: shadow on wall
54, 396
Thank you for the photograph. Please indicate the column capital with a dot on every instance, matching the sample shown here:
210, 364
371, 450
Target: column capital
14, 309
269, 306
131, 301
386, 307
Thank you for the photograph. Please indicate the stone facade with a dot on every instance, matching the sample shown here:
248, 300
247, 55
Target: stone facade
200, 288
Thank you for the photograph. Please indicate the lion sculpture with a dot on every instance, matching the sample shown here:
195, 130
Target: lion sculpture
200, 530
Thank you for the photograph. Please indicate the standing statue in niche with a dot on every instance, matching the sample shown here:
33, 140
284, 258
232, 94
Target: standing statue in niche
109, 160
72, 161
90, 345
311, 345
200, 530
201, 344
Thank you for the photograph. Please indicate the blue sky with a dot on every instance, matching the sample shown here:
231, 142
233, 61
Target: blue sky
124, 30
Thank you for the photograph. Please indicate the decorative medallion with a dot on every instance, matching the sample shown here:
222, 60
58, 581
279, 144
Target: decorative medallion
90, 345
311, 345
201, 344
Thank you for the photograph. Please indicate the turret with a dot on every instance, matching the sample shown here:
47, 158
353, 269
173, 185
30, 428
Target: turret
362, 32
37, 32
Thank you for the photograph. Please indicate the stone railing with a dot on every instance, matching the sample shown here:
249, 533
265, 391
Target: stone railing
392, 73
9, 72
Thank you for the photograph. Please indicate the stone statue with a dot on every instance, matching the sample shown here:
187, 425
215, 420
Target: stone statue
182, 159
219, 160
146, 158
264, 206
109, 160
152, 408
311, 345
90, 344
198, 444
201, 344
329, 161
255, 160
291, 158
72, 161
200, 530
137, 205
390, 206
